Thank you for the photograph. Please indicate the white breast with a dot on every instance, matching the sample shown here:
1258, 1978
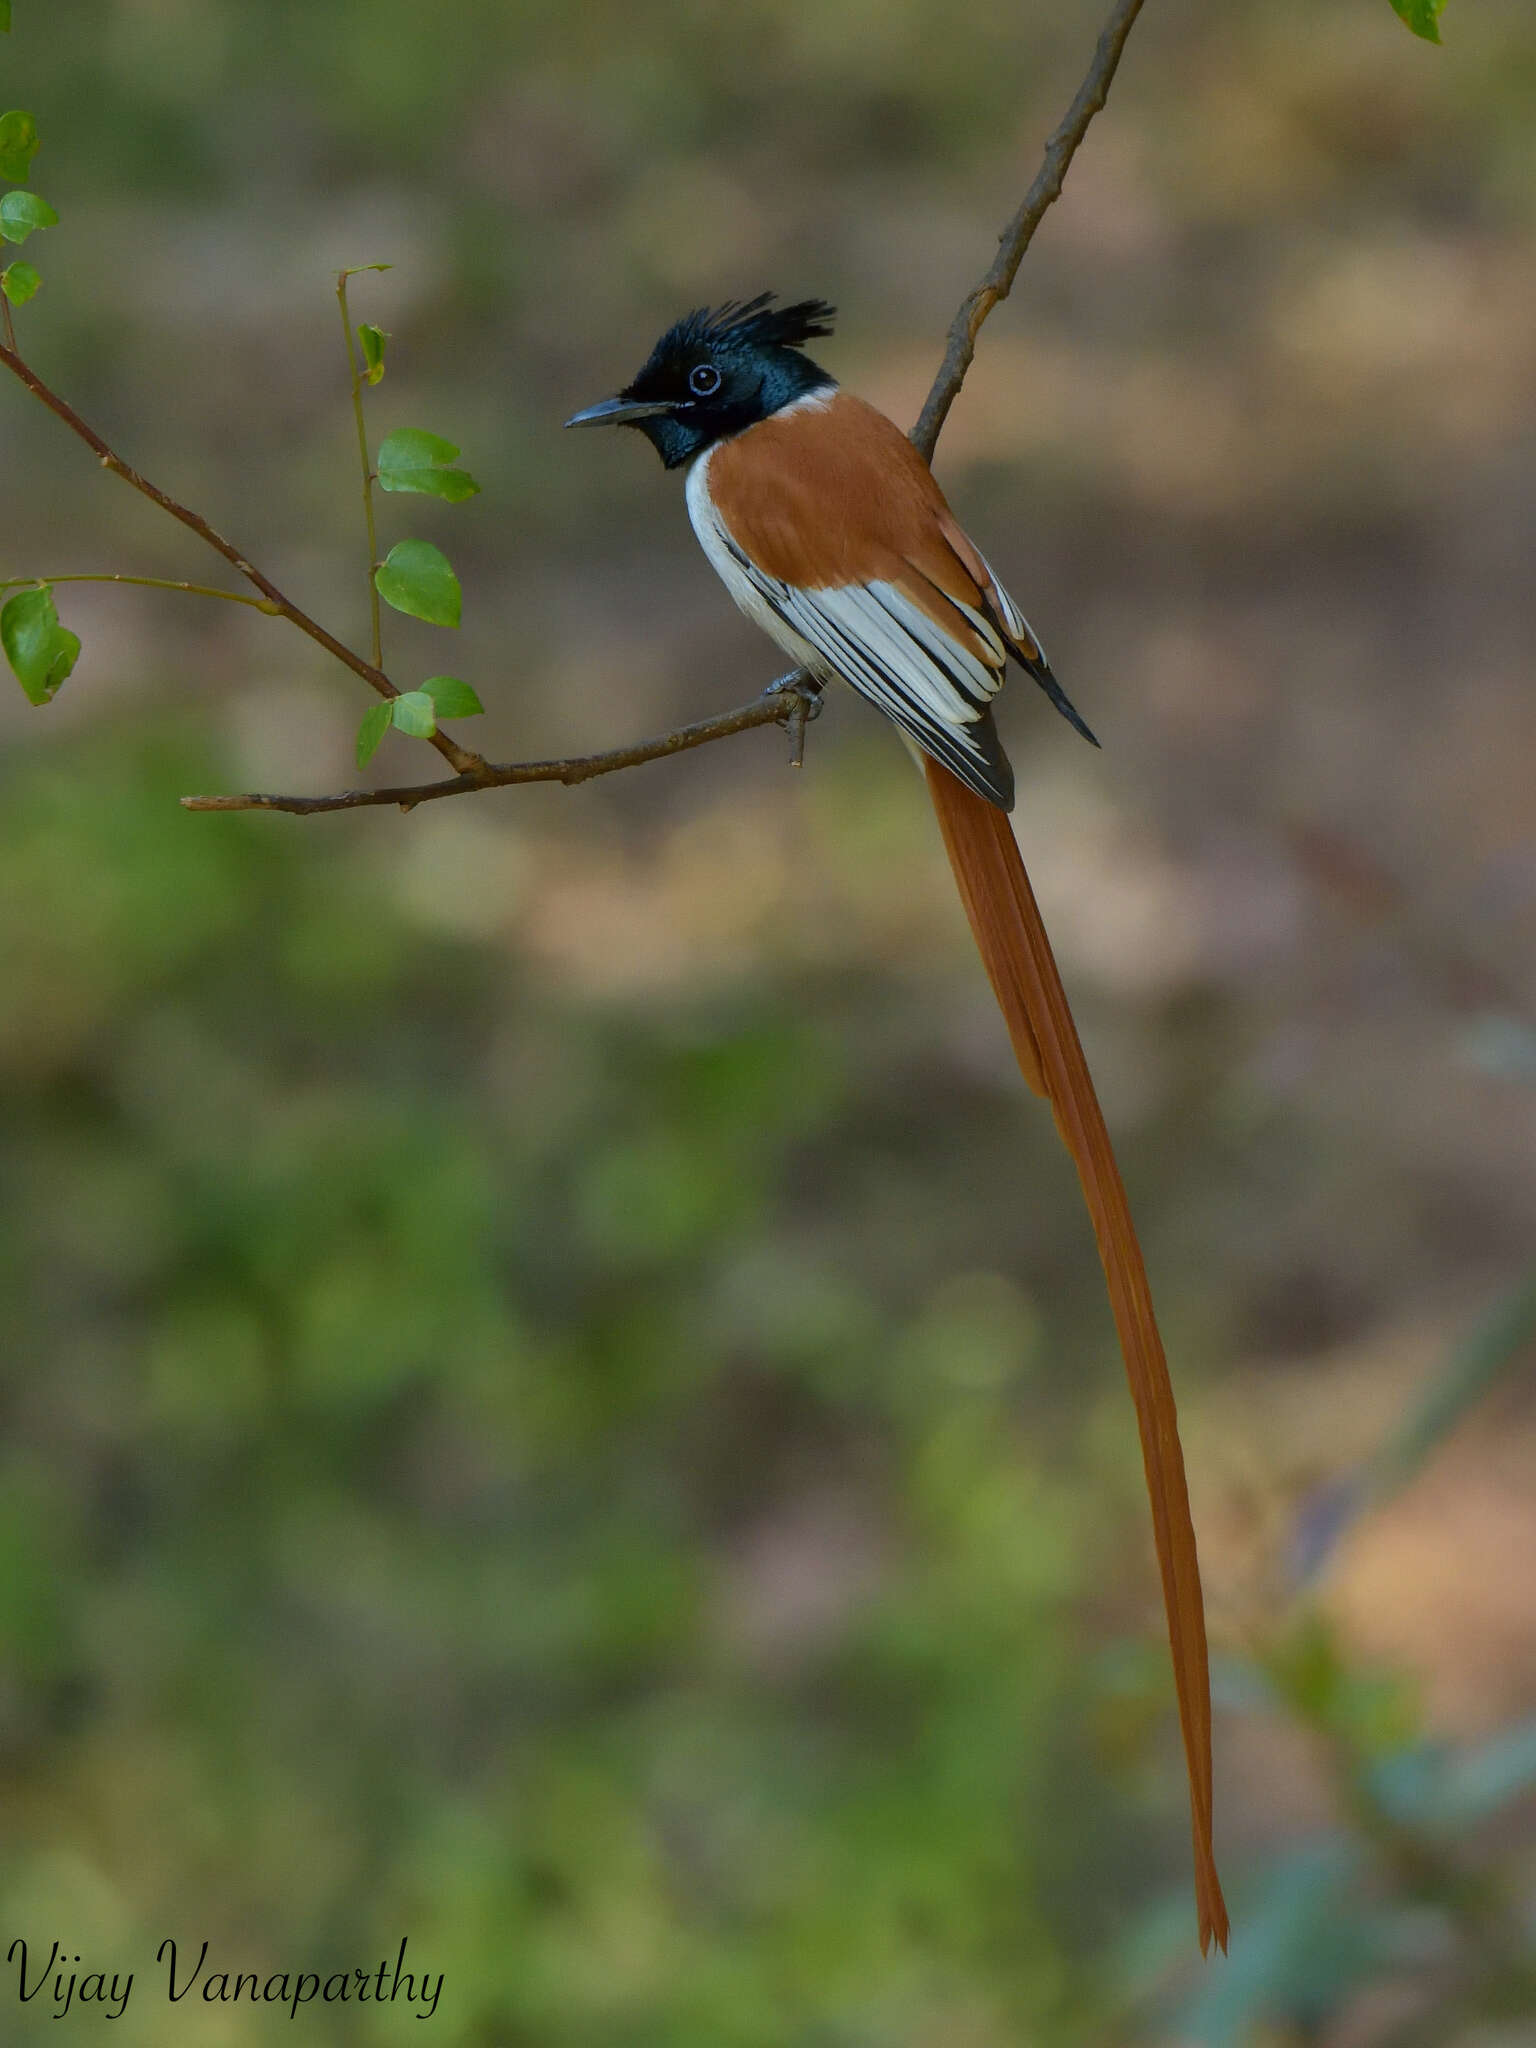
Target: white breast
746, 593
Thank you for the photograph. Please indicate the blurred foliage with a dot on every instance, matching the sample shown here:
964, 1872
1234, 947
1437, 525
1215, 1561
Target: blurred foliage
450, 1491
1391, 1897
557, 1399
396, 1367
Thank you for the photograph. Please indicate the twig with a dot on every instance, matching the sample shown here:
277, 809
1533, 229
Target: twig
1017, 236
260, 604
780, 704
794, 725
375, 617
465, 761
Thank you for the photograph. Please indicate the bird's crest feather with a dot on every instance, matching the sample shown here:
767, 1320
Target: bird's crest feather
752, 323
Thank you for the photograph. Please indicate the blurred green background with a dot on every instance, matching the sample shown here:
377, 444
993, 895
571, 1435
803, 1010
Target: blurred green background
558, 1400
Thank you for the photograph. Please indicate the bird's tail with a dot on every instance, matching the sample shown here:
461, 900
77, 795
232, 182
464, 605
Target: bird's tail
1017, 954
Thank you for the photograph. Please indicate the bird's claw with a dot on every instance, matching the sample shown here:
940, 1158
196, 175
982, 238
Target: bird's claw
798, 684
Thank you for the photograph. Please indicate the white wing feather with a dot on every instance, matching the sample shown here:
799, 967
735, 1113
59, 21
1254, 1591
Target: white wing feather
873, 637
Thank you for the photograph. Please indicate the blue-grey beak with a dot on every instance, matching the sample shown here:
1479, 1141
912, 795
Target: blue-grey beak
616, 412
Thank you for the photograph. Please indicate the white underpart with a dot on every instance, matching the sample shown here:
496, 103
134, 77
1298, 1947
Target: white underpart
748, 596
872, 636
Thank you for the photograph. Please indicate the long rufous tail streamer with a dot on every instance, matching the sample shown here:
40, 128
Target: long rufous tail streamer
1022, 969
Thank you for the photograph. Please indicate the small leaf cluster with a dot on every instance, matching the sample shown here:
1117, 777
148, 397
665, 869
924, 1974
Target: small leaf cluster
40, 651
415, 577
22, 212
415, 713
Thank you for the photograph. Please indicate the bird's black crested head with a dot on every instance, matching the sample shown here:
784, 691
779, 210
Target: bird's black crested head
716, 372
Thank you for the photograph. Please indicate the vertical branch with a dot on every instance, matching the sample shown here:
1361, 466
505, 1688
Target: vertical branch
1019, 233
355, 371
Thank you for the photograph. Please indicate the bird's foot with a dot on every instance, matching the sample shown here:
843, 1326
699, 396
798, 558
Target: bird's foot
804, 694
798, 684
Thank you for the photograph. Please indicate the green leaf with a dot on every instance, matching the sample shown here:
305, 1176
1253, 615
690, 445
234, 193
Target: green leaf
1309, 1941
1306, 1669
415, 713
1500, 1340
1373, 1714
373, 728
452, 698
415, 577
373, 340
19, 282
1480, 1782
455, 485
40, 651
5, 17
21, 212
1433, 1788
1241, 1686
358, 269
410, 460
18, 145
1422, 16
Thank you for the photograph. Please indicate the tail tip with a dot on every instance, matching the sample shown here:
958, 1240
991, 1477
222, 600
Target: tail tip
1214, 1924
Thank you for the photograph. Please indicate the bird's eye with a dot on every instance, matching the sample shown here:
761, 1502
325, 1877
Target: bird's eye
703, 380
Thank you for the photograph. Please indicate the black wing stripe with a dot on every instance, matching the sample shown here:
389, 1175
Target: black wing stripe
977, 684
885, 688
952, 745
860, 614
960, 742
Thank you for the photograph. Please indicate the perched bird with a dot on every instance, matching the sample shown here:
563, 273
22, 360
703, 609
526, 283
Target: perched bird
827, 527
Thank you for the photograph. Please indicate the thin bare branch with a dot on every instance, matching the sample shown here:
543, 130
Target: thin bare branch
355, 369
782, 703
460, 757
1017, 236
259, 604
